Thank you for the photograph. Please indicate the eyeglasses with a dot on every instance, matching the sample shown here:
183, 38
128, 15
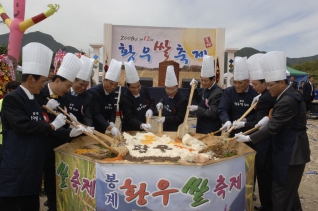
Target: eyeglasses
270, 85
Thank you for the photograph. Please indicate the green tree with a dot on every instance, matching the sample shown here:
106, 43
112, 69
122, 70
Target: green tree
3, 49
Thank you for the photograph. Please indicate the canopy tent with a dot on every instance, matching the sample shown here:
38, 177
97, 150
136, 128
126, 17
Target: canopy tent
299, 75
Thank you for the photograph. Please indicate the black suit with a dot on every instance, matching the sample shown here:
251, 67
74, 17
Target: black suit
294, 84
208, 119
23, 152
309, 94
264, 151
134, 109
290, 148
81, 106
174, 111
55, 139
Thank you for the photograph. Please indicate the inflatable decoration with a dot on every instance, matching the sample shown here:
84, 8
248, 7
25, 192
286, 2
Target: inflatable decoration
18, 25
5, 74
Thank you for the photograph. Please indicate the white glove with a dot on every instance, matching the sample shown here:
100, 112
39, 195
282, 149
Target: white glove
52, 104
115, 131
59, 121
77, 131
73, 117
262, 122
242, 138
145, 126
238, 125
226, 126
255, 99
149, 113
90, 130
161, 120
159, 105
194, 81
193, 107
112, 124
73, 123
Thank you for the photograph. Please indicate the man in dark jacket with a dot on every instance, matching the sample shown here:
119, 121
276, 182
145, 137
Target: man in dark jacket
25, 134
264, 150
174, 103
293, 83
136, 103
287, 126
309, 93
80, 101
104, 112
60, 85
236, 99
207, 111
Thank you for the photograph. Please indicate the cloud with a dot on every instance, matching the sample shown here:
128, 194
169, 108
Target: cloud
286, 25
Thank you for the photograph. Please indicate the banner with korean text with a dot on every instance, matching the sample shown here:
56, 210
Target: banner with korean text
75, 182
148, 46
218, 186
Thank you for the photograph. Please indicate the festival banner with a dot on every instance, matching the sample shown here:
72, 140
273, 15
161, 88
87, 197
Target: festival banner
148, 46
75, 182
142, 187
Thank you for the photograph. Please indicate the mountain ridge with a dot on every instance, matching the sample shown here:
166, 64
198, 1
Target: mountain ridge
54, 45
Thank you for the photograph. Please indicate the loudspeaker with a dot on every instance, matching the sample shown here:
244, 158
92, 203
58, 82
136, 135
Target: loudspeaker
186, 82
148, 82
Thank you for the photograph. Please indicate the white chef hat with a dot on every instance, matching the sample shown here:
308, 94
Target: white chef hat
86, 71
171, 79
254, 67
240, 68
70, 67
114, 70
131, 72
274, 66
36, 59
207, 69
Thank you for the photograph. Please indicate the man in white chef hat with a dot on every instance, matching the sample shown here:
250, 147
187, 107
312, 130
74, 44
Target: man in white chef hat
263, 156
104, 111
236, 99
81, 102
287, 126
207, 111
136, 103
60, 85
173, 103
24, 133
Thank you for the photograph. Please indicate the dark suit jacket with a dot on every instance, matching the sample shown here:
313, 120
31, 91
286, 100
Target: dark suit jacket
61, 135
295, 85
128, 109
100, 100
308, 94
180, 108
288, 115
88, 104
265, 104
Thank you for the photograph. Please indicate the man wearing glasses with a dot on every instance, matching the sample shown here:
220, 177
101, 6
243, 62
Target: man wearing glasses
173, 104
207, 112
287, 126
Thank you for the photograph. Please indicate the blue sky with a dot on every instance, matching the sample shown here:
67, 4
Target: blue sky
285, 25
